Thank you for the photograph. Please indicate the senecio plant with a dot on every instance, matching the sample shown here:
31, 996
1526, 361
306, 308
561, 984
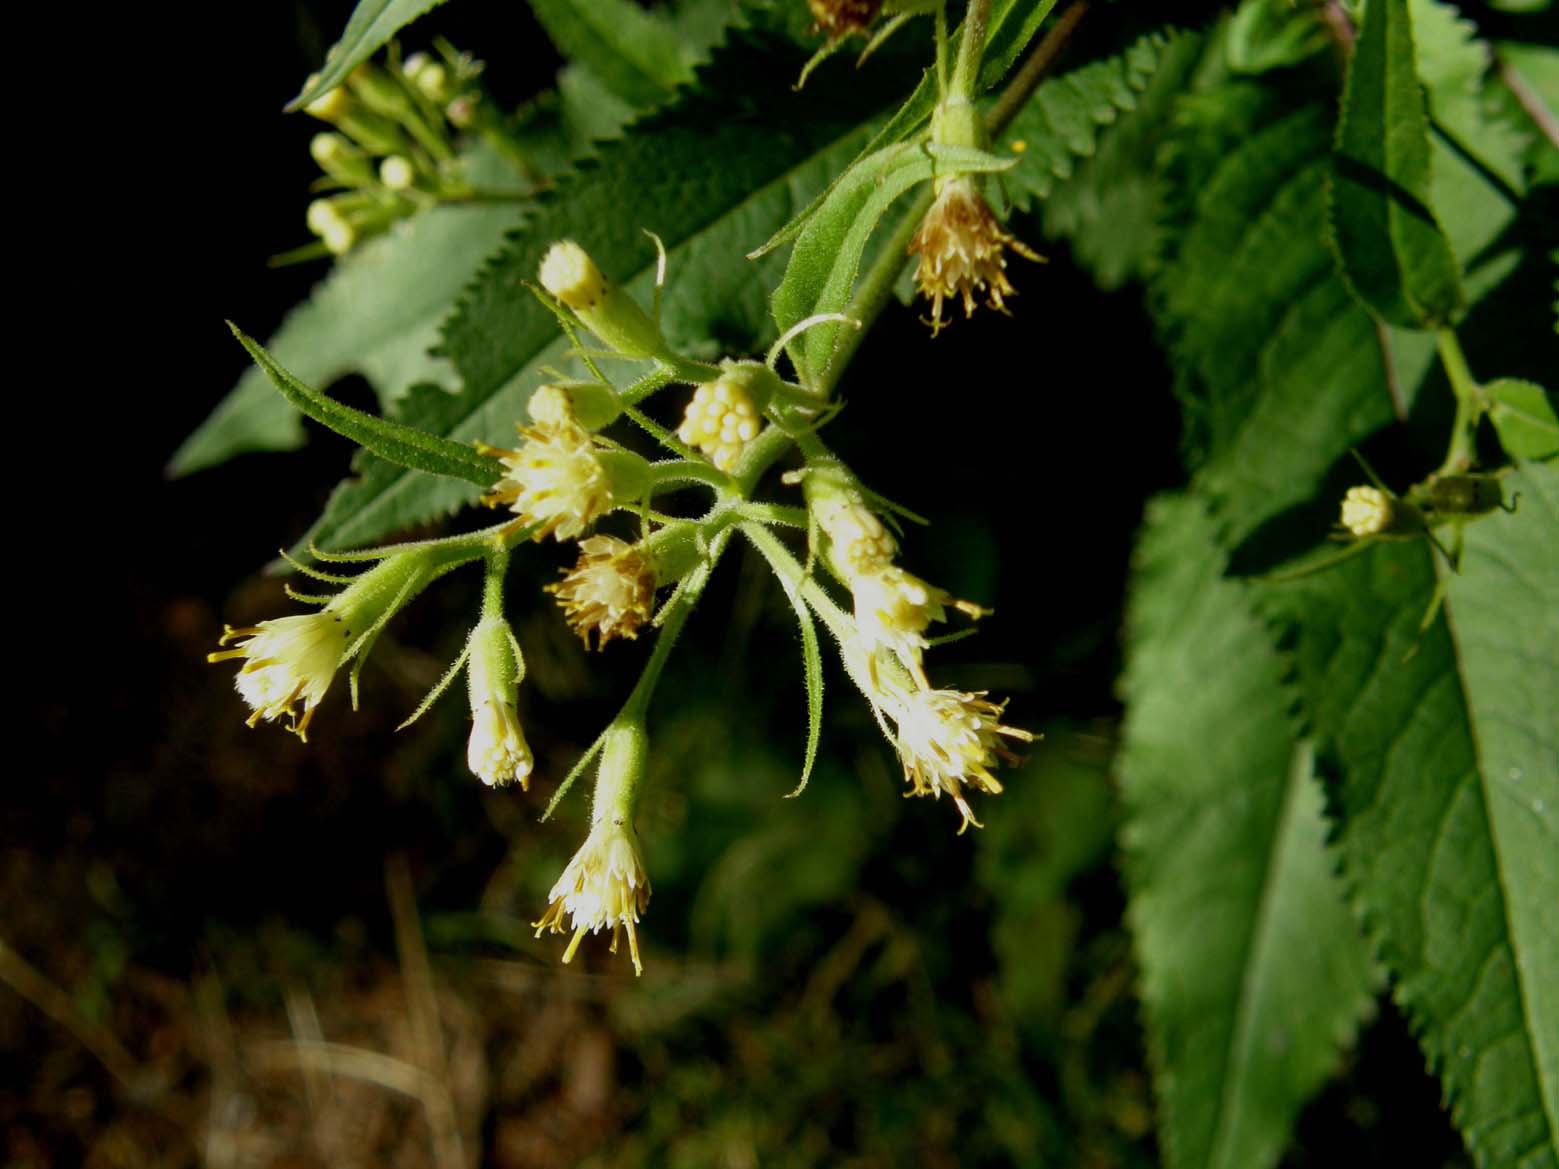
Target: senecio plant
1338, 769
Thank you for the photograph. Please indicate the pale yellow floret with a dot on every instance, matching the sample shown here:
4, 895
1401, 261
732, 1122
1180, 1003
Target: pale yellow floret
555, 481
1366, 511
497, 752
568, 273
610, 591
604, 886
397, 173
950, 741
859, 540
720, 420
894, 608
289, 663
962, 249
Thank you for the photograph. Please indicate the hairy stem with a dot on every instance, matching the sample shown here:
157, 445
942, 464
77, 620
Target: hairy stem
1470, 404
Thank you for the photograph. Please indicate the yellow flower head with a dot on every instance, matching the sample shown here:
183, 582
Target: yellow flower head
962, 250
1367, 511
604, 885
949, 741
568, 273
497, 752
894, 608
556, 480
610, 591
288, 663
841, 18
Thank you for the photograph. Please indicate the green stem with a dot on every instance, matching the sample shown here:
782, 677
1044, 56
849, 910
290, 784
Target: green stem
1470, 404
971, 49
671, 628
686, 472
492, 583
941, 50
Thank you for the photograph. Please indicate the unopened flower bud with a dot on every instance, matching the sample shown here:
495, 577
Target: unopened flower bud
568, 273
342, 161
379, 91
590, 404
397, 173
433, 80
497, 752
462, 111
330, 105
723, 417
1369, 511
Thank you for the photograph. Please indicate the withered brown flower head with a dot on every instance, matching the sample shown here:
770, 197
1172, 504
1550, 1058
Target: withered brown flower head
841, 18
610, 591
962, 249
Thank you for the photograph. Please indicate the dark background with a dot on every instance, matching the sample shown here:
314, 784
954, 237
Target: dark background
184, 884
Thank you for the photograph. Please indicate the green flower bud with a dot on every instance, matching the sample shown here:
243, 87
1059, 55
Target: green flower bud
568, 273
590, 404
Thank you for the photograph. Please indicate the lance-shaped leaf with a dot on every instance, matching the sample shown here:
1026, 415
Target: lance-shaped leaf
1254, 973
371, 25
405, 445
821, 273
1392, 250
1448, 743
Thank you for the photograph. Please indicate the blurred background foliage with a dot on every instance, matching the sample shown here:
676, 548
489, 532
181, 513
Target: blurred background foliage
833, 980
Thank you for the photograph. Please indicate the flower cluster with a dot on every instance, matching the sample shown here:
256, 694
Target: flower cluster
963, 251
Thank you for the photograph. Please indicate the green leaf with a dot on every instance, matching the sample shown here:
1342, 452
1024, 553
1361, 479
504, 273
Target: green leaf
1111, 206
1523, 415
812, 668
823, 264
372, 24
1061, 123
658, 177
411, 448
1392, 250
1254, 974
376, 314
638, 54
1449, 796
1280, 369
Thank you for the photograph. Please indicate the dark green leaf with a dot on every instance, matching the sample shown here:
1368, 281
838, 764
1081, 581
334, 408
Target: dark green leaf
638, 54
411, 448
372, 24
1254, 974
1449, 749
1392, 250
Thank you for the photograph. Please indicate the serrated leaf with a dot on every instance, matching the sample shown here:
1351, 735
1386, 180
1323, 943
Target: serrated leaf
823, 264
1254, 974
1523, 415
371, 25
658, 177
405, 445
1061, 123
638, 54
376, 314
1392, 250
1449, 749
1111, 207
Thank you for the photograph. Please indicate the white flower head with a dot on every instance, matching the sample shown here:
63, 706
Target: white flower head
556, 480
289, 663
894, 608
949, 741
610, 591
605, 885
1367, 511
962, 249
